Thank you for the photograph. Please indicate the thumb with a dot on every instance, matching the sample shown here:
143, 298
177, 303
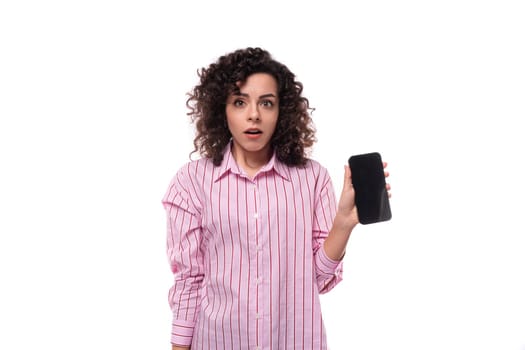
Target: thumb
347, 184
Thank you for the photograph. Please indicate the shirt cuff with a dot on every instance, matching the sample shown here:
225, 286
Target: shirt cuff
328, 266
182, 332
329, 271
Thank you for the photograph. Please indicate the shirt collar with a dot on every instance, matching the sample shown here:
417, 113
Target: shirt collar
229, 164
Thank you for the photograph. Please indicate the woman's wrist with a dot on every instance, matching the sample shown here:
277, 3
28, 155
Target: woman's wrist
175, 347
344, 223
335, 243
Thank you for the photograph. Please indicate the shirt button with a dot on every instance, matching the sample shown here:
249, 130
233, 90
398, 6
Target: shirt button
258, 316
258, 280
256, 215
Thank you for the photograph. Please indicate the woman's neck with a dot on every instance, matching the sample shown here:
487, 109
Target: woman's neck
251, 162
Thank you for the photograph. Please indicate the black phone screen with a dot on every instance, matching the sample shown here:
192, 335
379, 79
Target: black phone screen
371, 196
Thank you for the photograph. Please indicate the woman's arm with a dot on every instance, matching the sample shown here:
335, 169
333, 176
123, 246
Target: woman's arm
345, 220
185, 258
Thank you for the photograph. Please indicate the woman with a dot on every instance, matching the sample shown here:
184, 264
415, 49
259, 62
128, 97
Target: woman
254, 231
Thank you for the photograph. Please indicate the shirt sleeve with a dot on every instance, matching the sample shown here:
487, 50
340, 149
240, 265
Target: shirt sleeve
185, 258
329, 272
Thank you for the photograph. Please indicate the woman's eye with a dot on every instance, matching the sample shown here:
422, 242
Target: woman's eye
238, 103
267, 103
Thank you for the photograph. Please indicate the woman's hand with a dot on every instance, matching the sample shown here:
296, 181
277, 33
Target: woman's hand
387, 174
346, 210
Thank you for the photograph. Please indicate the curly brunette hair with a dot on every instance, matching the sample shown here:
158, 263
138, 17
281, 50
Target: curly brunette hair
294, 132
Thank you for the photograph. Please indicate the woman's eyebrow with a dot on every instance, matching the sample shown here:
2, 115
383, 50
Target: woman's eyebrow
267, 95
248, 95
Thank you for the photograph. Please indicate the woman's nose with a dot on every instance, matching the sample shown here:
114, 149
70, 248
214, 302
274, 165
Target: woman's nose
254, 114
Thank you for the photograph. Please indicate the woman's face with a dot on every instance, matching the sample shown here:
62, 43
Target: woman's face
252, 115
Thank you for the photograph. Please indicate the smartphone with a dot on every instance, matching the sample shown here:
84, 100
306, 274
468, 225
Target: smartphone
371, 196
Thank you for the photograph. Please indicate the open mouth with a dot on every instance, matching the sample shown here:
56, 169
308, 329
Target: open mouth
253, 132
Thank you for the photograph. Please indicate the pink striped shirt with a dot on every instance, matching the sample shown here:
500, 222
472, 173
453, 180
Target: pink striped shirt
247, 255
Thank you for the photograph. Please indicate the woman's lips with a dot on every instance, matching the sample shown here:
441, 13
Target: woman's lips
253, 133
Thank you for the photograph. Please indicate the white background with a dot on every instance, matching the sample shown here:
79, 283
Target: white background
93, 127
